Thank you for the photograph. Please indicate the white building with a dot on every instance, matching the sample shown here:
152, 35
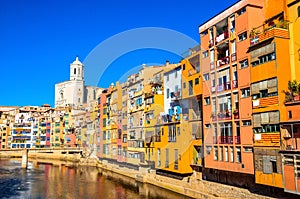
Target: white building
172, 91
73, 92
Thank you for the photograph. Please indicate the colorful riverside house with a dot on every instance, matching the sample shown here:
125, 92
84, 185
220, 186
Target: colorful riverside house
228, 137
24, 128
57, 128
102, 116
114, 109
154, 105
44, 127
136, 139
270, 72
6, 117
290, 127
105, 117
171, 146
124, 122
191, 101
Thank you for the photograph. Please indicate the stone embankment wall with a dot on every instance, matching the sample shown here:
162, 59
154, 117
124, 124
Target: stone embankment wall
192, 186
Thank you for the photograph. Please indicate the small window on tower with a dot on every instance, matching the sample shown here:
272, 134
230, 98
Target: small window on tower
78, 71
74, 71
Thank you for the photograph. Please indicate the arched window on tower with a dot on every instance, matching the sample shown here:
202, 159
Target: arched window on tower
74, 71
78, 71
61, 95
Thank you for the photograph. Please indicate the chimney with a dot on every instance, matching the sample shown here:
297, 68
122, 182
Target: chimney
167, 62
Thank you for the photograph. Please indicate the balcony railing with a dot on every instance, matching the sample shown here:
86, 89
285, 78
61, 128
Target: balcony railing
222, 37
171, 138
223, 61
237, 139
226, 139
224, 115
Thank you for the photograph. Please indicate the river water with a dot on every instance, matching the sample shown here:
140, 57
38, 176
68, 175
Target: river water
48, 181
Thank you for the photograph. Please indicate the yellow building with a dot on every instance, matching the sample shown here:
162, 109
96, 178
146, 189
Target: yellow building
154, 105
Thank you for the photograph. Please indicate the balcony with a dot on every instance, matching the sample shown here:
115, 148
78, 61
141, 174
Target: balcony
225, 139
260, 34
222, 37
223, 61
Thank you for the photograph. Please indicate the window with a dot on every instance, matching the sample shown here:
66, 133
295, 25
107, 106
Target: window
242, 36
167, 77
274, 165
183, 67
238, 155
226, 153
248, 149
184, 85
215, 153
176, 159
191, 87
206, 77
78, 100
221, 153
290, 114
264, 58
245, 92
269, 164
231, 154
197, 81
168, 93
244, 63
241, 11
167, 158
74, 71
178, 130
176, 74
205, 32
205, 54
208, 126
246, 122
207, 100
158, 157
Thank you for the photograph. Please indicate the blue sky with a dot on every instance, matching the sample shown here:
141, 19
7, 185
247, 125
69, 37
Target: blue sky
39, 39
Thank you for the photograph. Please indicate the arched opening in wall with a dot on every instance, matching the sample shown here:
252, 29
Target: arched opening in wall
94, 95
298, 11
61, 95
78, 71
74, 71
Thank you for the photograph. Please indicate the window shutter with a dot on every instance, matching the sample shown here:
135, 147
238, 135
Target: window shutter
267, 165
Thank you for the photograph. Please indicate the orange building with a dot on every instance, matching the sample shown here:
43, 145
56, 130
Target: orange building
228, 154
270, 72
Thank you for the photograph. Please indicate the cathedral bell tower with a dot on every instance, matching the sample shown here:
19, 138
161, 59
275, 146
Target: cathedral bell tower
76, 70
